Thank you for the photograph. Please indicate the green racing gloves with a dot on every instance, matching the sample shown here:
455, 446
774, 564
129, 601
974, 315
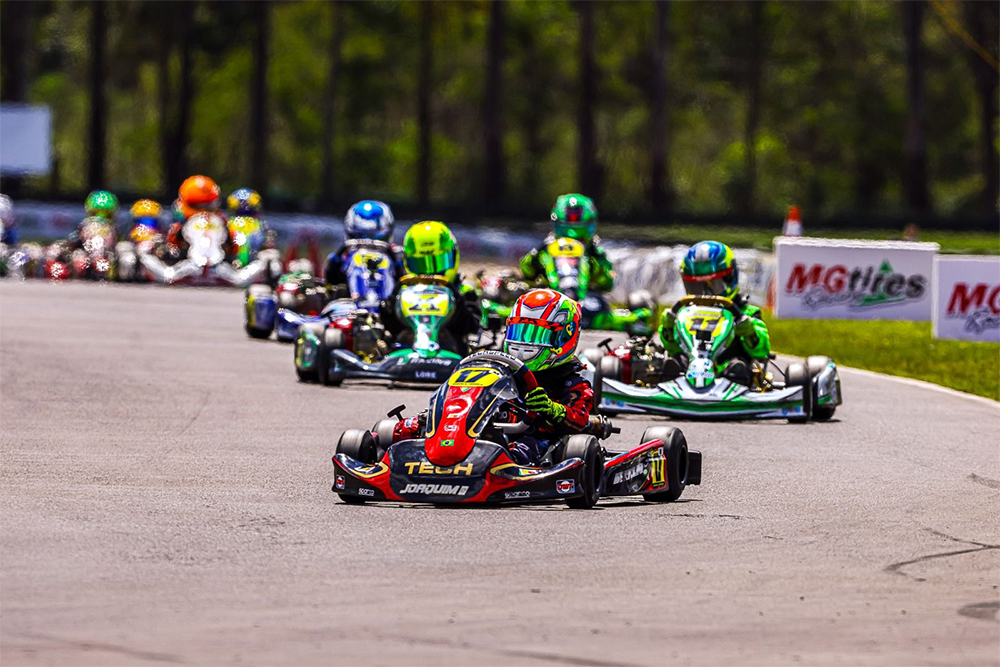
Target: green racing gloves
539, 402
745, 329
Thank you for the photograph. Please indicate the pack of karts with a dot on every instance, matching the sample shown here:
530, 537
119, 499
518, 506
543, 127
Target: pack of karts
462, 455
634, 377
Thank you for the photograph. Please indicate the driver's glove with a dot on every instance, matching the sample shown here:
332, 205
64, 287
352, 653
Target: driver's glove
745, 330
668, 321
539, 402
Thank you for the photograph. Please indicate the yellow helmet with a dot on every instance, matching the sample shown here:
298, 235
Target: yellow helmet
145, 208
430, 248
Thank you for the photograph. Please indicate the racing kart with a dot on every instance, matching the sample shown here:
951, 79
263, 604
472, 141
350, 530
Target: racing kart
355, 346
206, 263
370, 279
636, 377
463, 454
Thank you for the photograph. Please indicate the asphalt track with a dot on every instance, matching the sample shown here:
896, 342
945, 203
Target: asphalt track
166, 499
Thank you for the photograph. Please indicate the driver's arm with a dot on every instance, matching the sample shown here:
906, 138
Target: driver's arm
601, 269
666, 333
758, 342
531, 266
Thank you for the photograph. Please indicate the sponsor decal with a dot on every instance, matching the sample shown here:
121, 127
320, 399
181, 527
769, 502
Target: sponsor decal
630, 473
978, 305
657, 468
451, 427
366, 492
436, 489
339, 482
859, 287
448, 443
566, 486
474, 377
425, 375
514, 495
425, 468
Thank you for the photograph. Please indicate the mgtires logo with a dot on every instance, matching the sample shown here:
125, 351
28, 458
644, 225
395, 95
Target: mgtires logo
978, 305
857, 287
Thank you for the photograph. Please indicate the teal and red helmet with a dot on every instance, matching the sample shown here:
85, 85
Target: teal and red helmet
543, 329
709, 269
575, 216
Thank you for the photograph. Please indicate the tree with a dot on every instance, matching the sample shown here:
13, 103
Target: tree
175, 104
330, 101
755, 42
258, 103
425, 69
586, 147
98, 98
982, 19
659, 179
494, 172
916, 193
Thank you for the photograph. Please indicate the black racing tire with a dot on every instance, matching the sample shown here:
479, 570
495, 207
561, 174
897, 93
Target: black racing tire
588, 448
360, 446
797, 375
598, 389
593, 355
259, 334
815, 365
611, 368
306, 375
287, 301
258, 292
383, 431
332, 339
675, 465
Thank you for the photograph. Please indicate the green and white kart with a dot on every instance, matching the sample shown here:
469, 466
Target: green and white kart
628, 379
354, 345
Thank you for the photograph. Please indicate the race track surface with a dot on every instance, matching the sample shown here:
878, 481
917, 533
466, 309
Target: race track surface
166, 499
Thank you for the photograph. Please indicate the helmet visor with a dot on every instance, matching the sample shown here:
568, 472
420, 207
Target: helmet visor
715, 284
430, 264
579, 231
530, 332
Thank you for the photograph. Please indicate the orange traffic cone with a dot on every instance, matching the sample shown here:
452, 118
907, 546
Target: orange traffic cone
793, 222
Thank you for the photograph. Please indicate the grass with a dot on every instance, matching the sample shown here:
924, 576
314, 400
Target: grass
962, 243
896, 348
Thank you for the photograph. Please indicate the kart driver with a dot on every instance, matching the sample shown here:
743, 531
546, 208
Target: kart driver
197, 194
543, 331
366, 220
709, 268
99, 204
574, 216
429, 248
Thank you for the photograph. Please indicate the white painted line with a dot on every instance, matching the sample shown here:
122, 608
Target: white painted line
923, 385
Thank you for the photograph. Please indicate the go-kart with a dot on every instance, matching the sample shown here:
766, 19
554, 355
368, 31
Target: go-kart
462, 456
354, 346
370, 279
636, 377
206, 263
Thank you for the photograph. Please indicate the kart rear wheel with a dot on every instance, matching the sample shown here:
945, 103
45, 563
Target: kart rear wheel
593, 355
796, 375
676, 464
257, 292
308, 374
360, 446
816, 364
588, 448
287, 301
332, 339
611, 368
383, 431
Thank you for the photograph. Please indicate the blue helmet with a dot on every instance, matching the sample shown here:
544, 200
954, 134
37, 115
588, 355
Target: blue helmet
709, 268
369, 220
244, 202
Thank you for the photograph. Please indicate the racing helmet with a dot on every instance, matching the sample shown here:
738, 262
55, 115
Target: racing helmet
146, 212
102, 204
575, 216
429, 248
709, 269
543, 329
198, 193
369, 219
244, 202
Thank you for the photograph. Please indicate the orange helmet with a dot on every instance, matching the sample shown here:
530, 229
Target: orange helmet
199, 193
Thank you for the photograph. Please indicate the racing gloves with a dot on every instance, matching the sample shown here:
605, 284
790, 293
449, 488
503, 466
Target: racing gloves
539, 402
746, 330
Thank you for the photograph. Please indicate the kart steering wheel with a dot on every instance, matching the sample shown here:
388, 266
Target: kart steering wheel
709, 301
524, 379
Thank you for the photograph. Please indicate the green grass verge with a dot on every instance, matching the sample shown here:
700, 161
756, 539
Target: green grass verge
962, 243
897, 348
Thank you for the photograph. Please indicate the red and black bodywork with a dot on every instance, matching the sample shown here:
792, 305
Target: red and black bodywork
462, 456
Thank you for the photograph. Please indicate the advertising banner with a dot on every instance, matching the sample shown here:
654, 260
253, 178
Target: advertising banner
967, 298
857, 280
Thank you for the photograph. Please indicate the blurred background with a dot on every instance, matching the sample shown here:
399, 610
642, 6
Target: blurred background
870, 114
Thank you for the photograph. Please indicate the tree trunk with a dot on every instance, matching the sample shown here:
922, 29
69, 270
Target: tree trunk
754, 74
983, 19
328, 185
16, 28
258, 102
586, 159
98, 102
494, 173
165, 35
659, 177
915, 188
178, 122
426, 66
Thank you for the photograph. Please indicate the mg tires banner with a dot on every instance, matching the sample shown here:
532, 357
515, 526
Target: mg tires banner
856, 280
967, 298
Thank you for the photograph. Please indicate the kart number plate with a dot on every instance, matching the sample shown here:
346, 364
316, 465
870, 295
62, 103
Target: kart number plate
474, 377
428, 304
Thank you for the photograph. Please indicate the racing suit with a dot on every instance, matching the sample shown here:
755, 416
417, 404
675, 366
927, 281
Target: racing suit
602, 274
565, 385
335, 275
464, 322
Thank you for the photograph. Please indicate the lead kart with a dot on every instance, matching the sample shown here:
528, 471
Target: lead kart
631, 378
462, 456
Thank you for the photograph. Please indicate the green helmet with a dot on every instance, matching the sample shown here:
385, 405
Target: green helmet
429, 248
575, 216
101, 203
709, 268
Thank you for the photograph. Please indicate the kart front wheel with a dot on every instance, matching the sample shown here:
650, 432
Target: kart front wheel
332, 339
611, 368
586, 447
593, 355
816, 365
797, 375
676, 465
360, 446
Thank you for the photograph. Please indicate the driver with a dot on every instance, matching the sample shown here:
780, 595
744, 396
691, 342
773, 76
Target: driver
574, 216
429, 248
366, 220
709, 268
99, 204
197, 194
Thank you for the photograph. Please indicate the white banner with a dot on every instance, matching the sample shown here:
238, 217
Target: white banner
25, 139
857, 280
967, 298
